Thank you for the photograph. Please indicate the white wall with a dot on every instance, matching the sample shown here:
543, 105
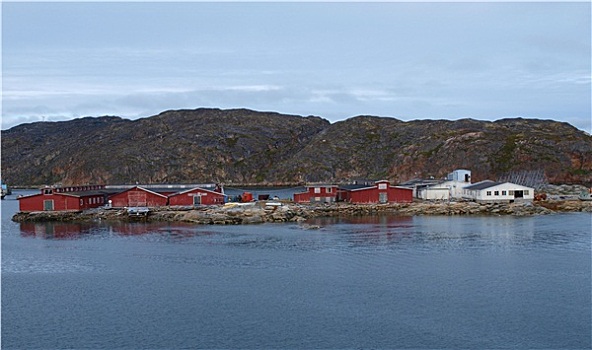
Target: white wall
503, 193
455, 187
435, 193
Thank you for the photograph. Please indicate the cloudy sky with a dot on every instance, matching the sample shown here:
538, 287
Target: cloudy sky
336, 60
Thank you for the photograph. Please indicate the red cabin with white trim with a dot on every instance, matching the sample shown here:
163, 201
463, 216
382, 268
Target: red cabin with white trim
381, 192
196, 196
63, 199
317, 194
138, 197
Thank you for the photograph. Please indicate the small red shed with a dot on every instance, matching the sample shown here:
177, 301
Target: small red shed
381, 192
196, 196
60, 199
317, 194
138, 197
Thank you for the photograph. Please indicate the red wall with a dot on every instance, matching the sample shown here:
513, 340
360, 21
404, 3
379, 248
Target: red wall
137, 197
92, 201
186, 198
304, 197
61, 202
400, 195
371, 195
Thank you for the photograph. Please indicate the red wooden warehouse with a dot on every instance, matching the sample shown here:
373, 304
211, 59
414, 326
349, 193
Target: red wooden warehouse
381, 192
64, 199
317, 194
138, 197
196, 196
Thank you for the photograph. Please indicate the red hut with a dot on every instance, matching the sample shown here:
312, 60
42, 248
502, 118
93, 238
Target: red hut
138, 197
317, 194
380, 192
63, 199
196, 196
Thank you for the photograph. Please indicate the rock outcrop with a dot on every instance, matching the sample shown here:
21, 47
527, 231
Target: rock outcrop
244, 146
260, 213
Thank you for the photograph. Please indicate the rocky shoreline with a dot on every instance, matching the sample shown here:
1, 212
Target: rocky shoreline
261, 212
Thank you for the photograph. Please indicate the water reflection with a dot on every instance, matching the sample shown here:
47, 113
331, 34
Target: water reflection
61, 230
382, 220
431, 231
54, 230
336, 232
499, 230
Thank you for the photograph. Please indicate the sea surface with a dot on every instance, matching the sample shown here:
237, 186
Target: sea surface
378, 282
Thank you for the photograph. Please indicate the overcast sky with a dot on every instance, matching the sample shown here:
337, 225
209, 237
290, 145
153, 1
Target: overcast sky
335, 60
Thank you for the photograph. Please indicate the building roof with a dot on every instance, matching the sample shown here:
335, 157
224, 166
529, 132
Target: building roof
421, 182
482, 185
354, 187
138, 188
194, 189
90, 193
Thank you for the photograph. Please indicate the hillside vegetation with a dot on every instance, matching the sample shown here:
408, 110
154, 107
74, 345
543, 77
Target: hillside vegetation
245, 146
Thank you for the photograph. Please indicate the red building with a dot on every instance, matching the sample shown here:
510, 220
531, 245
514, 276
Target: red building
317, 194
74, 198
196, 196
381, 192
138, 197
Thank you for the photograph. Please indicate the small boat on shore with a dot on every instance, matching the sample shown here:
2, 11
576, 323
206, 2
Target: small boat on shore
138, 212
585, 196
5, 190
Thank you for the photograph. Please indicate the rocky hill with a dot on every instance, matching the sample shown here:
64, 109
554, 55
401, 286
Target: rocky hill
244, 146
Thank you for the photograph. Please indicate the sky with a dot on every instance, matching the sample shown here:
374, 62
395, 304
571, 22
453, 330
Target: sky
443, 60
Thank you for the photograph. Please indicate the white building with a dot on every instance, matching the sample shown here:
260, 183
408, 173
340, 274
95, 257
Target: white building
460, 175
435, 192
491, 191
451, 188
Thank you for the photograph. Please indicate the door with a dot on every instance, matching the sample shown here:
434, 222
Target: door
196, 200
518, 194
136, 199
383, 197
48, 205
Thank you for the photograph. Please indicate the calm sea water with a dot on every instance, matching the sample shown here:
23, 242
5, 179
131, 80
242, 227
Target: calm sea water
373, 282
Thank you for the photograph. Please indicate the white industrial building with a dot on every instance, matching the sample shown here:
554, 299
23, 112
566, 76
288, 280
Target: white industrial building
451, 188
491, 191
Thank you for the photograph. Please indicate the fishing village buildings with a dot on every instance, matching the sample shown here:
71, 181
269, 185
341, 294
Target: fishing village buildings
457, 186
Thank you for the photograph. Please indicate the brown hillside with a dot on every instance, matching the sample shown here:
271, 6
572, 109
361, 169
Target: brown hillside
244, 146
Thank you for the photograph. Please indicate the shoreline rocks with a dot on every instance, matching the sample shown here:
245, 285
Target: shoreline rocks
291, 212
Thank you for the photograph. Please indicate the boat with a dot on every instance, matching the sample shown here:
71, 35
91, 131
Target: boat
5, 190
585, 196
138, 211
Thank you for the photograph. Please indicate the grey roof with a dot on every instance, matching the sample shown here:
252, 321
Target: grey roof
89, 193
421, 182
482, 185
354, 187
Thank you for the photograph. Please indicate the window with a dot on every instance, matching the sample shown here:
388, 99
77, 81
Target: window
503, 193
317, 190
329, 190
382, 186
511, 192
496, 193
526, 192
48, 204
489, 193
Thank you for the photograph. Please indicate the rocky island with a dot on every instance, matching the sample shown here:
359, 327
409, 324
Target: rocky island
261, 212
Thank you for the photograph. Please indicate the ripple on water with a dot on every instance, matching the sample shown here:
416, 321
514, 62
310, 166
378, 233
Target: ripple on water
45, 265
